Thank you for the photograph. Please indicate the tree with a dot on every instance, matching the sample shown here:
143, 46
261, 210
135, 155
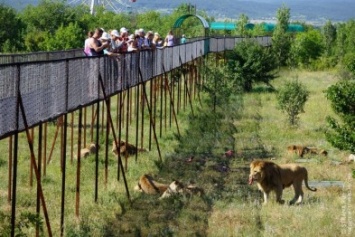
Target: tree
291, 99
48, 15
242, 25
66, 37
281, 42
251, 63
329, 36
342, 97
345, 38
43, 21
306, 47
10, 28
349, 63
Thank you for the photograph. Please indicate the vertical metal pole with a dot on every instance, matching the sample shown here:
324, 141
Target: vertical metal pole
38, 204
10, 171
97, 142
64, 165
151, 104
45, 150
119, 137
14, 183
142, 119
102, 118
92, 122
137, 119
127, 130
72, 137
106, 138
77, 199
61, 142
161, 104
84, 125
31, 165
14, 173
64, 152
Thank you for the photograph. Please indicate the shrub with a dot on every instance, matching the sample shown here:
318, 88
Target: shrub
341, 134
291, 99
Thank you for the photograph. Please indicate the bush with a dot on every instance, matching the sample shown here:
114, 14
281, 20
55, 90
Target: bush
251, 63
291, 99
341, 134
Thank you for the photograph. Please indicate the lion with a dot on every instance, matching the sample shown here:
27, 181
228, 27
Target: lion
302, 150
177, 187
299, 150
174, 188
272, 177
148, 185
89, 149
125, 146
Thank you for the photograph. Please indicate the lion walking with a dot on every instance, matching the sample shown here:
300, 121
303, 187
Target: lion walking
272, 177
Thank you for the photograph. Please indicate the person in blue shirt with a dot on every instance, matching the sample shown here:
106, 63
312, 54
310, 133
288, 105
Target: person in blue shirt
183, 39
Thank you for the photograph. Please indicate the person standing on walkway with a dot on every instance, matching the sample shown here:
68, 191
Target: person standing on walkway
95, 45
169, 39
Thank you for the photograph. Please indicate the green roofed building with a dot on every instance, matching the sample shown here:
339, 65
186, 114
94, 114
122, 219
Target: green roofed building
228, 26
268, 27
291, 27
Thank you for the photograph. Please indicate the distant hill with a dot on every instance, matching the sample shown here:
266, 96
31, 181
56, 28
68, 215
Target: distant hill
303, 10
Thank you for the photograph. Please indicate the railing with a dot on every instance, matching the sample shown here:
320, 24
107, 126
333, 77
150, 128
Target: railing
55, 83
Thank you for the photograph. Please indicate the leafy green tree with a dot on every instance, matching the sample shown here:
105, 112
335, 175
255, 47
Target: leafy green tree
345, 38
306, 47
341, 133
258, 30
291, 99
149, 20
329, 35
66, 37
42, 22
281, 39
251, 63
35, 41
349, 63
10, 29
48, 15
242, 25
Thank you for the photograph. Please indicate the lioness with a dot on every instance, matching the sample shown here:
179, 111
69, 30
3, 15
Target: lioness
147, 184
125, 146
301, 150
272, 177
89, 149
176, 187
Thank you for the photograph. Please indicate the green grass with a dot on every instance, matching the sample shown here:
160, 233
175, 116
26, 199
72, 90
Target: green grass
229, 207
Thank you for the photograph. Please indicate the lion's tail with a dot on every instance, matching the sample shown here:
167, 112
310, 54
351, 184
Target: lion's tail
306, 183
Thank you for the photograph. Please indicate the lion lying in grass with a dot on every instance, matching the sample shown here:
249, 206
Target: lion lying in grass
302, 150
89, 149
126, 147
272, 177
148, 185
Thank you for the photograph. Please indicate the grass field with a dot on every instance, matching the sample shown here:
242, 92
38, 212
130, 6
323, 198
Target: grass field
230, 207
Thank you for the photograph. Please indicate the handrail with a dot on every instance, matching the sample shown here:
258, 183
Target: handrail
52, 87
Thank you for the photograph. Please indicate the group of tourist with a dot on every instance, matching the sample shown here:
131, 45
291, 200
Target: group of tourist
115, 42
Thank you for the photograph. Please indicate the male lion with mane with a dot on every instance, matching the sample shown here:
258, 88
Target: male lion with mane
272, 177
